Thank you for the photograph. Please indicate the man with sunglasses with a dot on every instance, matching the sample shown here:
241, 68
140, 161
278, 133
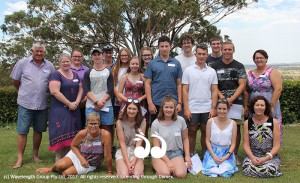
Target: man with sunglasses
163, 77
31, 78
231, 84
108, 51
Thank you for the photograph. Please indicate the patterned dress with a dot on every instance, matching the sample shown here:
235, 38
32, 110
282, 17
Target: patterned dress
262, 86
64, 123
134, 91
261, 142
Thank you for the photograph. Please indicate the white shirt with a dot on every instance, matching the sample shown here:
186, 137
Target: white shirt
199, 81
185, 62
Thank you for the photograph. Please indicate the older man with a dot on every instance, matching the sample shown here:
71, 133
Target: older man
31, 77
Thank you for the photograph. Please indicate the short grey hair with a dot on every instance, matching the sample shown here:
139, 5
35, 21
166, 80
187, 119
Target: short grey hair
38, 44
62, 55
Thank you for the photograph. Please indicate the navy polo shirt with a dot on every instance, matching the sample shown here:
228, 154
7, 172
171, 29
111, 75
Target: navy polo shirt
164, 77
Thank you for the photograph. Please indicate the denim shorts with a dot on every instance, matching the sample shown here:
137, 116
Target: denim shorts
172, 154
28, 117
107, 118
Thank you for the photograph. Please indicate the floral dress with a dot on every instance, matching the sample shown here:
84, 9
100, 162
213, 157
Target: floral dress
262, 86
134, 91
261, 142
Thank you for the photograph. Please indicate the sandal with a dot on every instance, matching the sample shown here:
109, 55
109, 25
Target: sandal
43, 170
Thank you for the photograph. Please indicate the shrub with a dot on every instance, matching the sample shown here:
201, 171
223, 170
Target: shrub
8, 106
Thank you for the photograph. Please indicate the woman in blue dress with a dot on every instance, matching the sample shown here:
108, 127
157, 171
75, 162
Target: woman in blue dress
221, 133
64, 119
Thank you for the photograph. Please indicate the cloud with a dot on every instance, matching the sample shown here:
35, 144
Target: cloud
12, 7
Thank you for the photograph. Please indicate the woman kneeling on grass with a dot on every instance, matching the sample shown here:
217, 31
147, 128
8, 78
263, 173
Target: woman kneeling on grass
172, 128
220, 139
130, 124
261, 141
88, 149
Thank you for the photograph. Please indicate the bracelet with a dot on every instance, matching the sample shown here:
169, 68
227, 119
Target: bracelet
268, 153
179, 103
229, 153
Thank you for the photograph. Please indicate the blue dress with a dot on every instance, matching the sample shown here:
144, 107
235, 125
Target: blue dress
64, 123
220, 141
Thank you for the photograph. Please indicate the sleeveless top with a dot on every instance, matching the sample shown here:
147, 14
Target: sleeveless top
129, 132
221, 137
92, 151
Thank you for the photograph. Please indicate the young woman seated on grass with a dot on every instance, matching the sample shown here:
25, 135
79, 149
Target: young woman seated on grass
172, 128
130, 124
88, 149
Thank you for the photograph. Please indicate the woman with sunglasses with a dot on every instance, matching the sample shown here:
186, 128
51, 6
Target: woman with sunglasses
131, 123
221, 134
88, 149
132, 85
172, 128
261, 141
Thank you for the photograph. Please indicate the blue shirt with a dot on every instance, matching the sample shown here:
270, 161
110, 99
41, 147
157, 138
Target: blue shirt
33, 92
164, 77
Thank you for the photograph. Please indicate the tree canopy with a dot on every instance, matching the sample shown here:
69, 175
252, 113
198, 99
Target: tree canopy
65, 24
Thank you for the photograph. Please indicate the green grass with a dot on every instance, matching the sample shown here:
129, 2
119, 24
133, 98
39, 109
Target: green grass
290, 154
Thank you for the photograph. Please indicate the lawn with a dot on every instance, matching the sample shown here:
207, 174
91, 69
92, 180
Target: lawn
290, 152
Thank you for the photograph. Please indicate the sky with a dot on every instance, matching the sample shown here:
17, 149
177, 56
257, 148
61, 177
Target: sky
272, 25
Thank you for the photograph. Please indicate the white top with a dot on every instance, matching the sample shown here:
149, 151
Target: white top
220, 137
185, 62
199, 81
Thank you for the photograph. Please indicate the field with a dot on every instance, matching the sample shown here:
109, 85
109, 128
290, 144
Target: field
290, 152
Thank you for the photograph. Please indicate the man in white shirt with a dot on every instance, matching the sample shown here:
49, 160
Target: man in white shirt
200, 95
187, 58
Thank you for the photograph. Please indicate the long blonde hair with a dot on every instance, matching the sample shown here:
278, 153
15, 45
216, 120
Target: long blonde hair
116, 68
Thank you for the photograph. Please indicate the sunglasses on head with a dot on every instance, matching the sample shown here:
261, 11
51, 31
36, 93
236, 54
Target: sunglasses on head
136, 101
222, 100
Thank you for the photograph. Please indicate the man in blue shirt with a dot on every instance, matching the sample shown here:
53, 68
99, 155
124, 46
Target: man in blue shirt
163, 77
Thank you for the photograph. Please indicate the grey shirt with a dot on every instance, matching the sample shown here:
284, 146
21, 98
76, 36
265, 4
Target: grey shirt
170, 133
33, 91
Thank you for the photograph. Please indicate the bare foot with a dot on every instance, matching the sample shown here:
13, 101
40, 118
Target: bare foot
37, 159
43, 170
17, 165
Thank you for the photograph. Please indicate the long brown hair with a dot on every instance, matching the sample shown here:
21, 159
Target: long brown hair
138, 118
116, 68
161, 115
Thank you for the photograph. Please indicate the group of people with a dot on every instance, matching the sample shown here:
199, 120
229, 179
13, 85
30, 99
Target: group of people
173, 96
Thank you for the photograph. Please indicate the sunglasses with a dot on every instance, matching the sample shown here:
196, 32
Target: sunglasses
222, 100
129, 100
93, 124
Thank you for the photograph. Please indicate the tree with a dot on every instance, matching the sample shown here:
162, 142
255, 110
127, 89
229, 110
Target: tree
64, 24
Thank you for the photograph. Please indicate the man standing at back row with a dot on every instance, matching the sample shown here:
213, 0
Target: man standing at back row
231, 84
187, 58
163, 77
31, 77
216, 54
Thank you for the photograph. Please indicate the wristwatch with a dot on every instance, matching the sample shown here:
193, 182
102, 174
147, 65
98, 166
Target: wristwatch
95, 103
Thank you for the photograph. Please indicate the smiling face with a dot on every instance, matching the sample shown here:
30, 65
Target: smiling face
215, 46
65, 63
124, 57
260, 60
222, 110
93, 125
97, 58
38, 54
227, 51
259, 107
147, 56
76, 58
168, 109
187, 45
132, 110
134, 64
